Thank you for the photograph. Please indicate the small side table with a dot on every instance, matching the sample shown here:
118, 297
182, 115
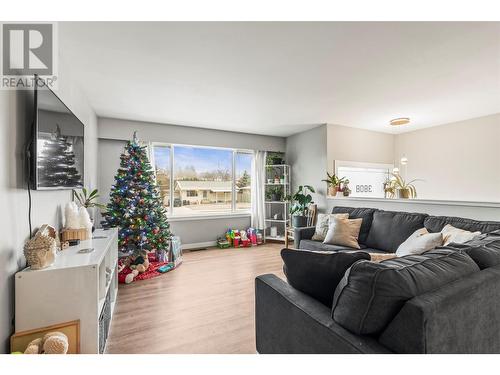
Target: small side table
289, 235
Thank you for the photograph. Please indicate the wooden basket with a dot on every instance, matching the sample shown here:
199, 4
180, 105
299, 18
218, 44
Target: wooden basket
74, 234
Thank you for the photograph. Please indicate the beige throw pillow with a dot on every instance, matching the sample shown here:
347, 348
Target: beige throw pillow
456, 235
344, 232
322, 224
419, 242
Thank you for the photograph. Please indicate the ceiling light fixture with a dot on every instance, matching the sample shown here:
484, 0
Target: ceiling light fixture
400, 121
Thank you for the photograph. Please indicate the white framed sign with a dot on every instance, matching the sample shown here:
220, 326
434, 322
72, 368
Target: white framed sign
365, 179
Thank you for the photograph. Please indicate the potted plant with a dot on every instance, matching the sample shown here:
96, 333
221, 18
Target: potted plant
274, 158
333, 183
404, 190
300, 201
275, 193
345, 188
88, 200
389, 190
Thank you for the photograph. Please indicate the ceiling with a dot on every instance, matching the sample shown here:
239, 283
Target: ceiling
280, 78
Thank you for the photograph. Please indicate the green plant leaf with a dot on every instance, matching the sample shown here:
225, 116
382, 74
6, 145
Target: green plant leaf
78, 197
311, 189
93, 194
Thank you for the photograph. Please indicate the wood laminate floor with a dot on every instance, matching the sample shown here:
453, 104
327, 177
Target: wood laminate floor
204, 306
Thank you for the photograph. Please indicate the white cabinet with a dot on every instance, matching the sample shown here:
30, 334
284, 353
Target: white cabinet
78, 285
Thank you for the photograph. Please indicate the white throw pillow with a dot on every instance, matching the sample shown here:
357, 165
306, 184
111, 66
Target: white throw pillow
322, 224
343, 232
456, 235
419, 242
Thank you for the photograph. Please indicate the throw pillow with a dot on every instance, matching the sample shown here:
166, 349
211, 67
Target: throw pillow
318, 273
322, 224
343, 232
420, 242
456, 235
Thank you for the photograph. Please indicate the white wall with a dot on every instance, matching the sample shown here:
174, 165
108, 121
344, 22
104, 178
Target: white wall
458, 161
353, 144
15, 112
114, 132
312, 154
152, 132
306, 153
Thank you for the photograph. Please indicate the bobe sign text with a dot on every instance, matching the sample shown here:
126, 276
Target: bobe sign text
363, 188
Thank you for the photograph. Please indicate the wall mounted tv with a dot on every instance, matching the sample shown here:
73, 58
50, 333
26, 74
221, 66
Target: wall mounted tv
57, 145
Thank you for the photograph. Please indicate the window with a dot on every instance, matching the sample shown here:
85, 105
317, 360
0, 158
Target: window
243, 168
162, 170
204, 180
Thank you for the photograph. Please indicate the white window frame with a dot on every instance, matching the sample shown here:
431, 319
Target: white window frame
355, 164
170, 210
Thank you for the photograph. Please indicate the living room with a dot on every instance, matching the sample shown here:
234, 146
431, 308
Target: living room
327, 187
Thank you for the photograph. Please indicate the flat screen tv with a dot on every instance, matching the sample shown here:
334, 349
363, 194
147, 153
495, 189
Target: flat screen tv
57, 145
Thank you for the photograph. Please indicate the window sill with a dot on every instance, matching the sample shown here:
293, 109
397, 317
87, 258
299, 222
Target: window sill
208, 216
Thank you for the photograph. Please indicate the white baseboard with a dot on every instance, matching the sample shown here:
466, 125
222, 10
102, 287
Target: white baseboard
198, 245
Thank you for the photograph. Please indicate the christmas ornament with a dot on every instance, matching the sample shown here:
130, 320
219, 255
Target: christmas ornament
135, 204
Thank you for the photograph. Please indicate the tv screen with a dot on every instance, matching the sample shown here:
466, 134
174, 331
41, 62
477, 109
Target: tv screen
58, 143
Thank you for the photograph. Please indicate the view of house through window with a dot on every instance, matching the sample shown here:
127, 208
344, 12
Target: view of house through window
204, 179
243, 170
162, 169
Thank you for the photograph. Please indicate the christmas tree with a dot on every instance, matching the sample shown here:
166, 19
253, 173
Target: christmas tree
56, 163
135, 204
244, 180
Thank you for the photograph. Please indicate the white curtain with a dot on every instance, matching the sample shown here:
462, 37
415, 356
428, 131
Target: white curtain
258, 189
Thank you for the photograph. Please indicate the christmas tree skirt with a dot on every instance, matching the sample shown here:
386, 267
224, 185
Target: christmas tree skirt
151, 272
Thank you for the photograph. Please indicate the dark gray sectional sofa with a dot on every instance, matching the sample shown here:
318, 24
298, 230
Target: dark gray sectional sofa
444, 301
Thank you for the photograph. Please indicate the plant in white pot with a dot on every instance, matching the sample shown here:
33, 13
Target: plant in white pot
300, 202
88, 200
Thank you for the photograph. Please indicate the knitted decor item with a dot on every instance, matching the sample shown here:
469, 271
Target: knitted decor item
149, 274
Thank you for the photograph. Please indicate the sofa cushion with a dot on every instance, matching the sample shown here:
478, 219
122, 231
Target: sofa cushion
320, 246
437, 223
358, 213
371, 294
318, 273
484, 249
390, 229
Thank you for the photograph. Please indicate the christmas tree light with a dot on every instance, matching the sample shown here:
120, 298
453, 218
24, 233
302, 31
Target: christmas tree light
135, 204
